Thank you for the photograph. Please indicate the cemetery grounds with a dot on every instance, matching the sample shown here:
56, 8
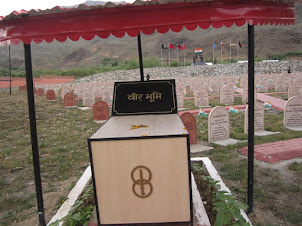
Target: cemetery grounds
62, 136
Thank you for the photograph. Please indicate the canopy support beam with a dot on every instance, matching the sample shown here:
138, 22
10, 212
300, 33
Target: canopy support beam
140, 55
251, 100
33, 132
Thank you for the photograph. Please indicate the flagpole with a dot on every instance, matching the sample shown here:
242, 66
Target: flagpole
213, 52
161, 55
221, 51
169, 60
169, 57
238, 50
230, 52
177, 54
184, 55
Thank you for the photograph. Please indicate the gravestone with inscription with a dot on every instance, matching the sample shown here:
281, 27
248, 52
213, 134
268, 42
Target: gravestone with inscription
258, 118
180, 100
201, 98
106, 96
40, 92
69, 100
100, 111
294, 90
245, 95
218, 124
50, 95
243, 81
227, 95
190, 123
293, 112
88, 98
280, 86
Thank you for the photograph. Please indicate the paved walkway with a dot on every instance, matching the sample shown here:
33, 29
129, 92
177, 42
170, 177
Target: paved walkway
277, 151
277, 103
21, 81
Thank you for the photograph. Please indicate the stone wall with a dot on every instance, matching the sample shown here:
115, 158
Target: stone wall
235, 69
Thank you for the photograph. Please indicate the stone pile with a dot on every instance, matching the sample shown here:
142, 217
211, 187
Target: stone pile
235, 69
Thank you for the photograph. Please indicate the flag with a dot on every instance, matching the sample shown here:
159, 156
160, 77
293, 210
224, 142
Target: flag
239, 44
163, 46
210, 89
222, 45
268, 104
232, 43
233, 109
171, 46
214, 46
181, 47
202, 112
197, 50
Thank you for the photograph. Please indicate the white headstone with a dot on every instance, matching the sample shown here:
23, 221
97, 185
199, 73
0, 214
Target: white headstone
293, 112
243, 81
245, 95
201, 98
280, 86
218, 124
258, 118
227, 95
88, 98
180, 100
294, 90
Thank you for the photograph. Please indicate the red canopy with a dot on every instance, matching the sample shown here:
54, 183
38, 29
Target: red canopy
146, 17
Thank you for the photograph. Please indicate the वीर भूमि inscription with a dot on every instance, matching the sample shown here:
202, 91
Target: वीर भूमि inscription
152, 97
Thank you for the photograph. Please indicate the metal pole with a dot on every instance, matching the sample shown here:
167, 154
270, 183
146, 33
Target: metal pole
10, 72
33, 132
140, 55
251, 99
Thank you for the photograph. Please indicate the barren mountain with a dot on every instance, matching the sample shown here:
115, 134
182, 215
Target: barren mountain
268, 40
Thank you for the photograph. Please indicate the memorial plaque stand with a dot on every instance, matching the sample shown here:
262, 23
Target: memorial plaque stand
140, 158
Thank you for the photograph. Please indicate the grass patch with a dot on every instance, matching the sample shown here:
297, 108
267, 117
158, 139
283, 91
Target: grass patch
296, 167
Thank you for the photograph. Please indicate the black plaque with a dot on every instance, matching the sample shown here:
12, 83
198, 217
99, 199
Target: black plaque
149, 97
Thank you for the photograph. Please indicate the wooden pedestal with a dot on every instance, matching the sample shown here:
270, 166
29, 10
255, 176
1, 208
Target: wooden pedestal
142, 175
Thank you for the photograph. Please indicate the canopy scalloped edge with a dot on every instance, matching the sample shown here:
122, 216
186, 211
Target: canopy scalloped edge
118, 21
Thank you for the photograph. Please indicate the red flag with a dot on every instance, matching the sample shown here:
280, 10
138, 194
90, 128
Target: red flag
239, 44
222, 45
181, 47
171, 46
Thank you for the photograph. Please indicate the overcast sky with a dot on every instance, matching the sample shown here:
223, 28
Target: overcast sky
17, 5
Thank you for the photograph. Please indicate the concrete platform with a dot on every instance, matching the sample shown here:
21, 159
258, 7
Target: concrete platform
227, 142
277, 151
84, 108
197, 148
298, 128
265, 133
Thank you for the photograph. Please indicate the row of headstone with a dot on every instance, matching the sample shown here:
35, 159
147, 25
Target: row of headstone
100, 108
219, 124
